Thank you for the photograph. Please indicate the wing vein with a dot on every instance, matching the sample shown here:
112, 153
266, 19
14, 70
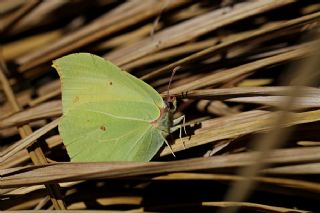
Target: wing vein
114, 116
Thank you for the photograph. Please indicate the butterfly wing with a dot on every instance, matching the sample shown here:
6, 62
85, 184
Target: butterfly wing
89, 78
91, 135
107, 112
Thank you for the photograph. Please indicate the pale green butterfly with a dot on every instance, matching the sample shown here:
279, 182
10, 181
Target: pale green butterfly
108, 114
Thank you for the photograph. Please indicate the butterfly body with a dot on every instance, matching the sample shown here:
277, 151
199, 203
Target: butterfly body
108, 114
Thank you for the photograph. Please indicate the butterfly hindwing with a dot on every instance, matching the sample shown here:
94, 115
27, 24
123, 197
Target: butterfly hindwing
91, 136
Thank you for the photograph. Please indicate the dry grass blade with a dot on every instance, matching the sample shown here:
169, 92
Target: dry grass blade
237, 39
277, 182
276, 101
44, 111
27, 141
254, 207
66, 172
226, 75
234, 92
105, 25
10, 21
238, 125
194, 28
304, 76
309, 169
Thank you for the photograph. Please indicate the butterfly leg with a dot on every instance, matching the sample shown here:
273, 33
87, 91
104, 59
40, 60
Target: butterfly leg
176, 126
165, 140
183, 118
178, 120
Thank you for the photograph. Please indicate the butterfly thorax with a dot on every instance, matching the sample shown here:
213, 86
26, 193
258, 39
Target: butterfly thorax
164, 121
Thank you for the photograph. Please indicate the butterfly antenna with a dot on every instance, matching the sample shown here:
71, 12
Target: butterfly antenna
171, 78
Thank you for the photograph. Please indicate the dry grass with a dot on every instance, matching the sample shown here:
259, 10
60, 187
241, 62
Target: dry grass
247, 82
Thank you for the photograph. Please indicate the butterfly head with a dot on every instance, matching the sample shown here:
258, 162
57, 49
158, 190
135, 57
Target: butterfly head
171, 103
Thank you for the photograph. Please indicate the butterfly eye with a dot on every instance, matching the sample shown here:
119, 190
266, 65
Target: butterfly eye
171, 103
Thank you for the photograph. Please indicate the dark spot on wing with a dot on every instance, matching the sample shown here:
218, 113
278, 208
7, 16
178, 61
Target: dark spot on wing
110, 83
103, 128
76, 99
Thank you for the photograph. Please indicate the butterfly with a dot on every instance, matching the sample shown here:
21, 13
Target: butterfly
109, 114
